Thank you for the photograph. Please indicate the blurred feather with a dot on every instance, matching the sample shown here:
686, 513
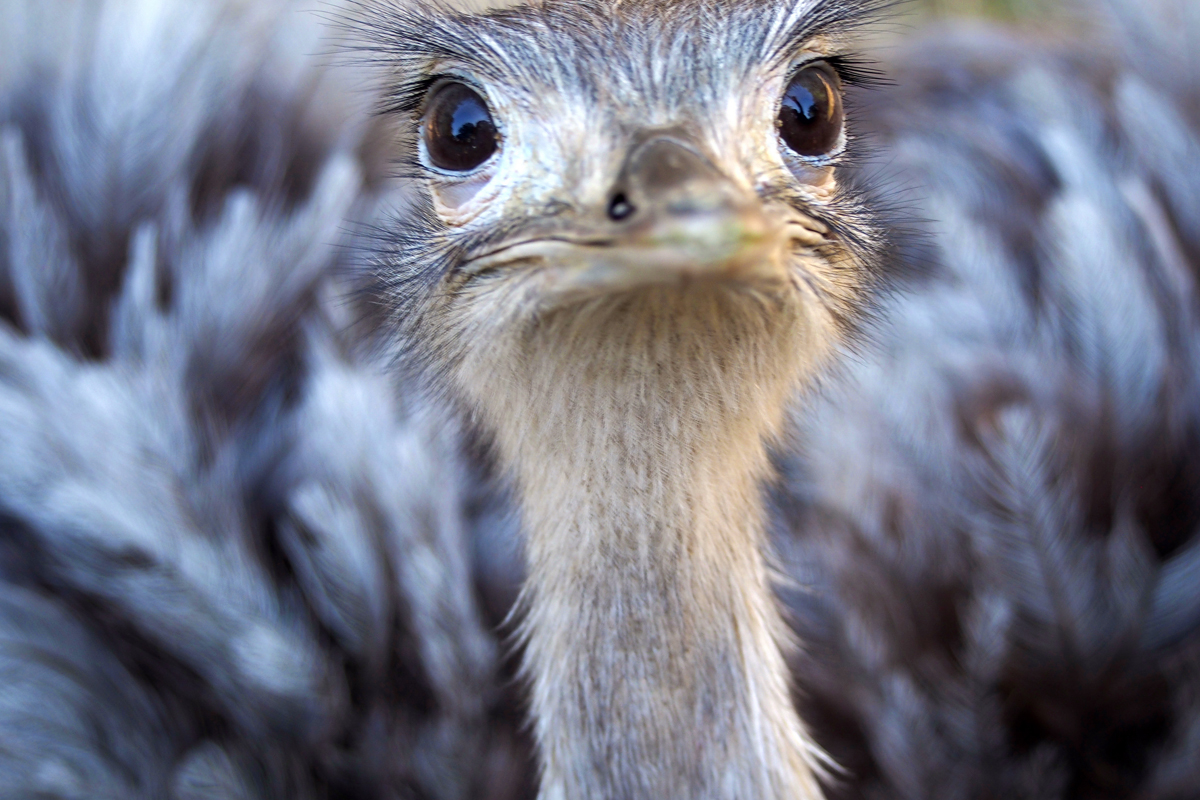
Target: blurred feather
235, 555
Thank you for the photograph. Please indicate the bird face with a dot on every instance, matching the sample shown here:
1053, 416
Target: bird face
578, 157
612, 197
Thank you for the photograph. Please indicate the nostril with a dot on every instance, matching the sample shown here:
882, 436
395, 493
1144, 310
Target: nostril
619, 207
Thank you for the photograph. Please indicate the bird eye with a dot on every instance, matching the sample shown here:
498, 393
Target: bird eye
810, 115
459, 131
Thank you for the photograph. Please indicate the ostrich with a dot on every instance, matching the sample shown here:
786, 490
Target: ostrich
628, 303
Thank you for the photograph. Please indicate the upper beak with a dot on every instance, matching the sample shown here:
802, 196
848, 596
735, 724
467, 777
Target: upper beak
677, 215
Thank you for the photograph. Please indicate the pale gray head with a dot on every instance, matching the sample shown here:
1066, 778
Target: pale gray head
634, 237
577, 156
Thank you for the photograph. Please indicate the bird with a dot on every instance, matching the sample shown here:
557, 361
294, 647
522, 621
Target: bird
757, 420
628, 334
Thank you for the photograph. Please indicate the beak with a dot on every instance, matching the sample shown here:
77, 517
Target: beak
675, 217
671, 216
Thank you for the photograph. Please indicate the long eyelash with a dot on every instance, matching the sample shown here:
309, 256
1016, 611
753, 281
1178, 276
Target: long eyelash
855, 70
409, 167
851, 69
409, 96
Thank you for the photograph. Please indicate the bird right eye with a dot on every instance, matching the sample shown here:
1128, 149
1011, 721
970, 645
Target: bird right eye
459, 131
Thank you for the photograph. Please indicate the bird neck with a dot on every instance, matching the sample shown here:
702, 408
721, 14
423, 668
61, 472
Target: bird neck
653, 637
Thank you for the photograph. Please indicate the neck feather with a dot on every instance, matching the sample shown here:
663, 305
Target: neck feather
638, 445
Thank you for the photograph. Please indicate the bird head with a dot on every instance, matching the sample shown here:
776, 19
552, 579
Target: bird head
596, 181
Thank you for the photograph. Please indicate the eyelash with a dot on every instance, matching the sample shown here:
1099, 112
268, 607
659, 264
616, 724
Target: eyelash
854, 70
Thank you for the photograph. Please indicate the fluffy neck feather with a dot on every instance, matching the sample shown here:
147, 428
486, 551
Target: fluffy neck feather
636, 432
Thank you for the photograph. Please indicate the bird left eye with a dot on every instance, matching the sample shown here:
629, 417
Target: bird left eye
810, 113
459, 131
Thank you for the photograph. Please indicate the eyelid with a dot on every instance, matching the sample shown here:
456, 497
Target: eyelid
820, 62
448, 73
436, 82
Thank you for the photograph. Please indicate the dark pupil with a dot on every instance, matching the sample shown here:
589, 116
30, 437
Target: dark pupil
810, 115
460, 134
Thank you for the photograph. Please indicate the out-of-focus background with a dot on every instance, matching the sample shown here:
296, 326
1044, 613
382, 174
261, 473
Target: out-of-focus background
996, 9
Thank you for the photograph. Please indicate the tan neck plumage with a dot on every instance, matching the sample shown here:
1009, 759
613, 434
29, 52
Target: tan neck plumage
638, 446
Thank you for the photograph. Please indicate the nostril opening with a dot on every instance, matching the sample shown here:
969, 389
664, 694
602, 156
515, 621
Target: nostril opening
619, 207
